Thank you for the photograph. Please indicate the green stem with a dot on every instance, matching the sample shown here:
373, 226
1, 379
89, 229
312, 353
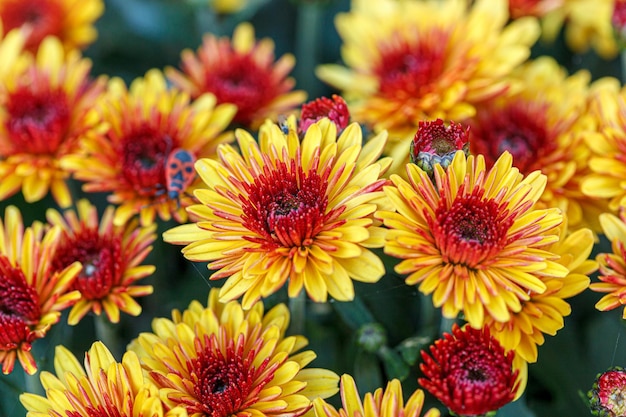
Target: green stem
32, 384
445, 325
297, 308
308, 24
622, 56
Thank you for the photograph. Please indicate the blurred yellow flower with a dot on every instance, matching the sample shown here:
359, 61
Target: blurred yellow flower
147, 122
543, 124
47, 109
241, 71
228, 6
408, 61
472, 237
222, 361
586, 23
103, 387
289, 210
71, 21
607, 142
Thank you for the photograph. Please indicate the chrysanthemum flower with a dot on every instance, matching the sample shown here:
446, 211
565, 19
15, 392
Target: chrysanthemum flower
472, 237
335, 109
543, 313
111, 257
382, 403
146, 123
469, 372
586, 24
607, 143
543, 126
223, 361
612, 265
71, 21
409, 61
608, 395
46, 110
241, 71
436, 143
32, 293
103, 387
286, 209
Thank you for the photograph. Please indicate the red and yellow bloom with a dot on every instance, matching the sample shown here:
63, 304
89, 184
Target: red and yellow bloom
472, 237
111, 257
289, 210
32, 292
47, 110
146, 122
222, 361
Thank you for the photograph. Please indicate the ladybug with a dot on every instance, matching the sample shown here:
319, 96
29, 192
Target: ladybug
179, 172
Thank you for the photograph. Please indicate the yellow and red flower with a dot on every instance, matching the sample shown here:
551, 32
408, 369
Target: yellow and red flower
607, 142
543, 125
47, 101
472, 237
289, 210
32, 292
222, 361
409, 61
102, 387
71, 21
241, 71
469, 372
382, 403
146, 123
111, 257
612, 265
543, 314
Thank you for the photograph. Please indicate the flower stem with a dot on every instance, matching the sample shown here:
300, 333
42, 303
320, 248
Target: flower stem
307, 27
297, 308
32, 384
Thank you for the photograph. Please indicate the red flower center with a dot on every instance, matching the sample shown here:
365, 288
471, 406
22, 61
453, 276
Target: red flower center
286, 207
45, 17
515, 128
102, 259
38, 121
409, 70
227, 382
241, 81
19, 306
472, 230
144, 154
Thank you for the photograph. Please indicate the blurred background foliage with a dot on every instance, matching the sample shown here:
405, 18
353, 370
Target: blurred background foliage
137, 35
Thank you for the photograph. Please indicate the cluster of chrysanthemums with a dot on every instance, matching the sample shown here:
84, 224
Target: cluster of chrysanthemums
485, 174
